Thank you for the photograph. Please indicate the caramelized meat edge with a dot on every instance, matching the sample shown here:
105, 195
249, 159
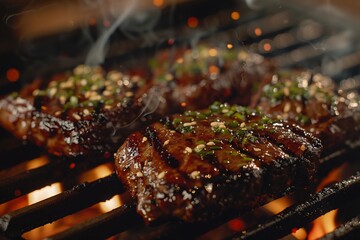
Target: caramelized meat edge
314, 102
199, 165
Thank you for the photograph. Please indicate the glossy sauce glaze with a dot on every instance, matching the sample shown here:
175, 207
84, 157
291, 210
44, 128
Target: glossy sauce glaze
194, 78
90, 111
313, 102
77, 114
200, 164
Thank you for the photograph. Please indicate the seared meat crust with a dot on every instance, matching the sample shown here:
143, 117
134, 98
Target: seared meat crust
199, 165
313, 102
90, 112
198, 77
86, 113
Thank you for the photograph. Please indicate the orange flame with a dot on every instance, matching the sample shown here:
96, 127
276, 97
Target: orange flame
326, 223
45, 192
279, 205
100, 172
323, 225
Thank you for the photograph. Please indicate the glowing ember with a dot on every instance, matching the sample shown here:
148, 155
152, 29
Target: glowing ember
236, 224
235, 15
258, 31
158, 3
192, 22
183, 104
13, 74
267, 47
229, 46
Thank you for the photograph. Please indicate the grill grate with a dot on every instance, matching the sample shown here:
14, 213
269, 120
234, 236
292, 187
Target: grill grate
84, 195
68, 202
297, 216
280, 28
348, 230
30, 180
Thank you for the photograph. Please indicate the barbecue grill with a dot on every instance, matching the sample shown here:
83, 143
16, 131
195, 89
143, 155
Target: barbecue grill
287, 34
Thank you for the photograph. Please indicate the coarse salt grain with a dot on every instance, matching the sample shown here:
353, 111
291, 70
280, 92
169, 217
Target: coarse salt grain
166, 142
195, 174
188, 150
302, 147
76, 116
187, 124
161, 175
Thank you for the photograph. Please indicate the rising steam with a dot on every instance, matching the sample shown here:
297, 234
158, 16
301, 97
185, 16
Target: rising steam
152, 102
97, 52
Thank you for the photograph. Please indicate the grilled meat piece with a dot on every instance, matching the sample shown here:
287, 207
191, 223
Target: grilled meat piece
90, 112
194, 78
198, 165
84, 113
313, 102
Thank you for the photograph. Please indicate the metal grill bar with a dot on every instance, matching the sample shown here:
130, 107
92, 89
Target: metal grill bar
297, 216
33, 179
68, 202
348, 230
336, 159
49, 210
18, 155
106, 225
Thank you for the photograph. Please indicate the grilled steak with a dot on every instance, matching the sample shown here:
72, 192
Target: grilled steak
84, 113
194, 78
313, 102
200, 164
90, 112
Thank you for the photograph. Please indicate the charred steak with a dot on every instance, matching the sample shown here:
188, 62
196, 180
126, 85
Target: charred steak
314, 102
194, 78
200, 164
84, 113
90, 112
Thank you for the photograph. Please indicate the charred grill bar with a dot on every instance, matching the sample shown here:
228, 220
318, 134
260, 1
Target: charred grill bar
298, 215
125, 217
37, 178
348, 230
287, 51
80, 197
